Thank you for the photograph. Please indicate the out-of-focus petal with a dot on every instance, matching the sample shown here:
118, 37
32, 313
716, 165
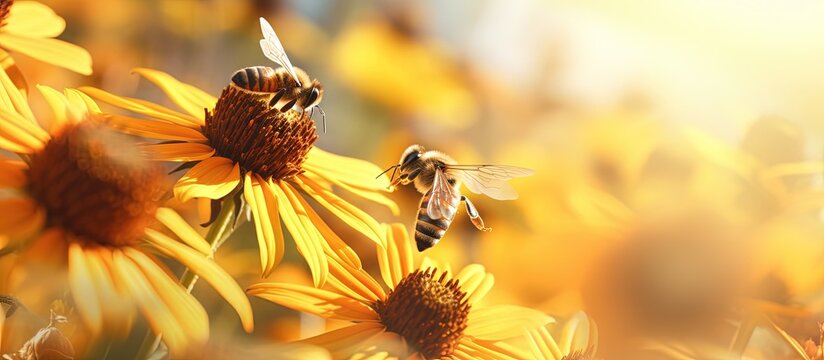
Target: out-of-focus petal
33, 19
181, 228
343, 342
212, 178
51, 51
12, 173
20, 135
143, 107
20, 218
153, 129
191, 99
12, 97
501, 322
80, 281
179, 152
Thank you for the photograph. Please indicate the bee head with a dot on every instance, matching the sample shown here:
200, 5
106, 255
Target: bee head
410, 155
314, 95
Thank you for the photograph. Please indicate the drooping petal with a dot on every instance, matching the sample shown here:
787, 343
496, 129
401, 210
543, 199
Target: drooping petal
501, 322
350, 214
211, 178
315, 301
307, 238
369, 194
51, 51
83, 289
194, 101
143, 107
154, 129
348, 170
117, 310
209, 271
264, 205
334, 245
395, 260
343, 342
181, 228
178, 152
12, 98
33, 19
12, 173
476, 282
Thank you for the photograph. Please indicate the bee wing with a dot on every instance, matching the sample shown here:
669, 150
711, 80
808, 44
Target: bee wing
440, 197
273, 49
490, 180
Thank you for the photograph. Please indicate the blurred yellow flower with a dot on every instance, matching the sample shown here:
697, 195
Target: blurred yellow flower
428, 313
578, 339
30, 28
83, 197
237, 141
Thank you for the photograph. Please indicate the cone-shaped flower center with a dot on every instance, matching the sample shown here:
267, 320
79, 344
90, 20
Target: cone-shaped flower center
96, 185
246, 127
5, 7
429, 312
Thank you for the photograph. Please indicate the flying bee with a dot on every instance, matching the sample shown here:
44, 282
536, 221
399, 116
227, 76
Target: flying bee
291, 87
438, 177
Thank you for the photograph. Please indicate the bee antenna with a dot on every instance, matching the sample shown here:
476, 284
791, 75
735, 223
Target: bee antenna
323, 114
387, 170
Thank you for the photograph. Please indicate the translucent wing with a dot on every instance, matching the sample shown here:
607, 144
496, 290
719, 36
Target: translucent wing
490, 180
440, 198
272, 48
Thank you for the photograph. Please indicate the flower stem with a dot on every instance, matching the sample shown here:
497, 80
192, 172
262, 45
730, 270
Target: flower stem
219, 230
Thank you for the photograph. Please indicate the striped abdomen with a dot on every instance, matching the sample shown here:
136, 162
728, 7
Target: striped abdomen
258, 78
429, 231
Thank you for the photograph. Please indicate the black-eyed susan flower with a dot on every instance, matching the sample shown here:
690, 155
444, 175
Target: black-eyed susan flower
30, 28
427, 312
84, 197
239, 139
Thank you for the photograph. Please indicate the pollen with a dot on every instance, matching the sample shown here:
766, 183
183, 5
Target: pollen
428, 311
96, 185
246, 129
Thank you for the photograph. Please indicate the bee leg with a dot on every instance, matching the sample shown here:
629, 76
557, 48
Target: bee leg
289, 105
277, 97
473, 215
12, 303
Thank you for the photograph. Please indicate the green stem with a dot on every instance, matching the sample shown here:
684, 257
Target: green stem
218, 231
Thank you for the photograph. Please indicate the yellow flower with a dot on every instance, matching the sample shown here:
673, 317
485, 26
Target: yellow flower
239, 140
84, 197
427, 313
578, 340
30, 28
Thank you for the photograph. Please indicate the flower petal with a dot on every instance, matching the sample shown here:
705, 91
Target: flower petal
209, 271
578, 334
264, 204
543, 345
116, 308
350, 214
189, 98
83, 289
179, 152
501, 322
154, 129
395, 260
314, 301
143, 107
12, 173
211, 178
476, 282
20, 218
81, 101
307, 238
343, 342
348, 170
181, 228
33, 19
480, 349
20, 134
65, 111
356, 283
369, 194
51, 51
11, 97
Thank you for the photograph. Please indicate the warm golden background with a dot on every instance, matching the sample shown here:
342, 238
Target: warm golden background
677, 146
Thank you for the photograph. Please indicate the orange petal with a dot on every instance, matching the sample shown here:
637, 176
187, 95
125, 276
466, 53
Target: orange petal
212, 178
20, 218
192, 100
12, 98
116, 308
50, 51
307, 238
143, 107
12, 173
83, 289
264, 205
22, 133
181, 228
154, 129
33, 19
314, 301
179, 152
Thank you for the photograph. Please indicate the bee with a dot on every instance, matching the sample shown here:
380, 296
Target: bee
438, 177
291, 87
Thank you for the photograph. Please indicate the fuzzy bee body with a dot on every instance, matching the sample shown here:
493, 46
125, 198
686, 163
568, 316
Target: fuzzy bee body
286, 93
429, 231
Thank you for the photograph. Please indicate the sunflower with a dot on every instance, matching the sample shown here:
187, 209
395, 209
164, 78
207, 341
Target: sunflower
84, 196
30, 28
427, 313
240, 141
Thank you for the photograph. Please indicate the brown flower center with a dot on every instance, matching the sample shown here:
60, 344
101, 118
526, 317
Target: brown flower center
245, 127
429, 312
587, 354
5, 7
96, 185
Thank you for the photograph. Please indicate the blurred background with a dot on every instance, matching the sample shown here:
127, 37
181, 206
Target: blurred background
677, 145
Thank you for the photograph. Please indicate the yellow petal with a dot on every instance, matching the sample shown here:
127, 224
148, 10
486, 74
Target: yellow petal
20, 132
179, 152
83, 289
543, 345
342, 343
348, 170
481, 349
501, 322
350, 214
20, 218
33, 19
264, 205
82, 101
476, 282
51, 51
209, 271
577, 334
12, 98
64, 111
371, 194
117, 309
189, 98
212, 178
356, 283
181, 228
186, 310
12, 173
154, 129
314, 301
143, 107
395, 260
307, 238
